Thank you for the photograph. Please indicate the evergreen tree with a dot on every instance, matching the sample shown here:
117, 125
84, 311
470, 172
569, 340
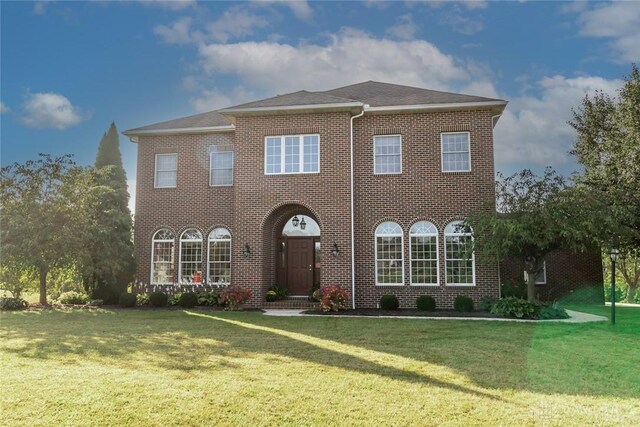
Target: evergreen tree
108, 264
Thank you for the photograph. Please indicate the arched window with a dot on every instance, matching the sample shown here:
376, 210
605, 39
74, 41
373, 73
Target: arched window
458, 253
389, 254
162, 257
190, 256
423, 238
219, 264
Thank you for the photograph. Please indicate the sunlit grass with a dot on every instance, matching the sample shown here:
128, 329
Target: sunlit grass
128, 367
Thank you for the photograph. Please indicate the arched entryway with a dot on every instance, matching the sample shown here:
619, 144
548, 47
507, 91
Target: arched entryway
299, 256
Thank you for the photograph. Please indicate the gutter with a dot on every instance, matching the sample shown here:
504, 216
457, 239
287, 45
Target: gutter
439, 107
134, 134
353, 236
336, 105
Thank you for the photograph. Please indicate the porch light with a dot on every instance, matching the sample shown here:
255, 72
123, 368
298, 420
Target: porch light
246, 251
614, 254
335, 251
295, 221
303, 224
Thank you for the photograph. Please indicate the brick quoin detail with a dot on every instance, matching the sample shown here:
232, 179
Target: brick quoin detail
255, 208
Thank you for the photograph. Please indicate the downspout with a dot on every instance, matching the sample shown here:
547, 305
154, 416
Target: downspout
494, 119
353, 237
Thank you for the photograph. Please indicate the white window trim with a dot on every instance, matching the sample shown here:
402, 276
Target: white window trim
233, 159
375, 255
153, 250
180, 252
209, 240
374, 155
473, 260
283, 154
544, 274
442, 151
437, 258
155, 171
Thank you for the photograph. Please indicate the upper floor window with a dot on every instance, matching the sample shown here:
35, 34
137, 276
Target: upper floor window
424, 253
292, 154
162, 257
458, 253
166, 170
456, 156
221, 168
387, 154
389, 254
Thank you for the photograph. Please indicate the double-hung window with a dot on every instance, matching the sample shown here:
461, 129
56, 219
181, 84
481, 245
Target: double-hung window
456, 154
424, 253
459, 257
221, 168
219, 256
387, 154
166, 170
190, 255
541, 277
162, 257
292, 154
389, 254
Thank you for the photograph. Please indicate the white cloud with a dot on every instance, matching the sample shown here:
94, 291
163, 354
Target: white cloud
50, 110
170, 4
300, 8
4, 108
213, 99
534, 129
131, 187
177, 33
405, 28
40, 7
350, 56
235, 22
617, 21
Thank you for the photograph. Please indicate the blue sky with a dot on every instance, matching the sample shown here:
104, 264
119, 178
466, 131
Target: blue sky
70, 68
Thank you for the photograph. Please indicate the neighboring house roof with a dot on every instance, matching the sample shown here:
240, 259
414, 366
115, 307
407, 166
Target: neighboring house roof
371, 96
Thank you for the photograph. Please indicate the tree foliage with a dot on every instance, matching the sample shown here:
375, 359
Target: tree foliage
108, 265
43, 205
536, 215
608, 146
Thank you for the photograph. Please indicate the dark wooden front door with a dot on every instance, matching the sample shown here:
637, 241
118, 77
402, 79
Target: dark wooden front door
300, 265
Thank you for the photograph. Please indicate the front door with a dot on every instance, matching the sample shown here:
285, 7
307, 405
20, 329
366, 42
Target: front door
300, 265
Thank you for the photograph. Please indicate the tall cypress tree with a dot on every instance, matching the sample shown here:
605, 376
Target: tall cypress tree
109, 265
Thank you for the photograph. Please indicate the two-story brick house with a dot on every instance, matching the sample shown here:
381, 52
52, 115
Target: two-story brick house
360, 186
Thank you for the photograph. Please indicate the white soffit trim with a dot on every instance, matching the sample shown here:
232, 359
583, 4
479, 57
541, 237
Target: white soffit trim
438, 107
310, 107
133, 134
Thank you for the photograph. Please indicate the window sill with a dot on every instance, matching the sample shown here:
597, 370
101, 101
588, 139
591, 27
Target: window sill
461, 285
425, 285
390, 284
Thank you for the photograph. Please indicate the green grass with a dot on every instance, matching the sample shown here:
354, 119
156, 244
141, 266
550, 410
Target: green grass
130, 367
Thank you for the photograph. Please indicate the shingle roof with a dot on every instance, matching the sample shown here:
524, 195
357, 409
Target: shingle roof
203, 120
374, 94
378, 94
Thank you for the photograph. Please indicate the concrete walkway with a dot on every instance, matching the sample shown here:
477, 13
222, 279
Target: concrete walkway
576, 317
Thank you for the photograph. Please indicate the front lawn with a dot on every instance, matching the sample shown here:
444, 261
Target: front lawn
147, 367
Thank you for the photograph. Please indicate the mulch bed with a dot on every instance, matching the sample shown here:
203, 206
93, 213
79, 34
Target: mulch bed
404, 312
38, 306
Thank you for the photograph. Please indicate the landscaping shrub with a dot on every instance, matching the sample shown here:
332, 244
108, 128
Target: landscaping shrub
158, 299
486, 303
10, 303
142, 299
174, 299
277, 293
516, 289
234, 296
188, 300
516, 307
463, 303
208, 299
426, 303
389, 302
552, 311
96, 302
127, 300
331, 297
73, 297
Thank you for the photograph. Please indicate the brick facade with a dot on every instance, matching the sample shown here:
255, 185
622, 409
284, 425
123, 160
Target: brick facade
256, 207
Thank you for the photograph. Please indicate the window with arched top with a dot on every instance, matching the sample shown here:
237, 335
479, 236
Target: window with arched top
423, 240
458, 253
162, 257
219, 262
190, 256
389, 254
